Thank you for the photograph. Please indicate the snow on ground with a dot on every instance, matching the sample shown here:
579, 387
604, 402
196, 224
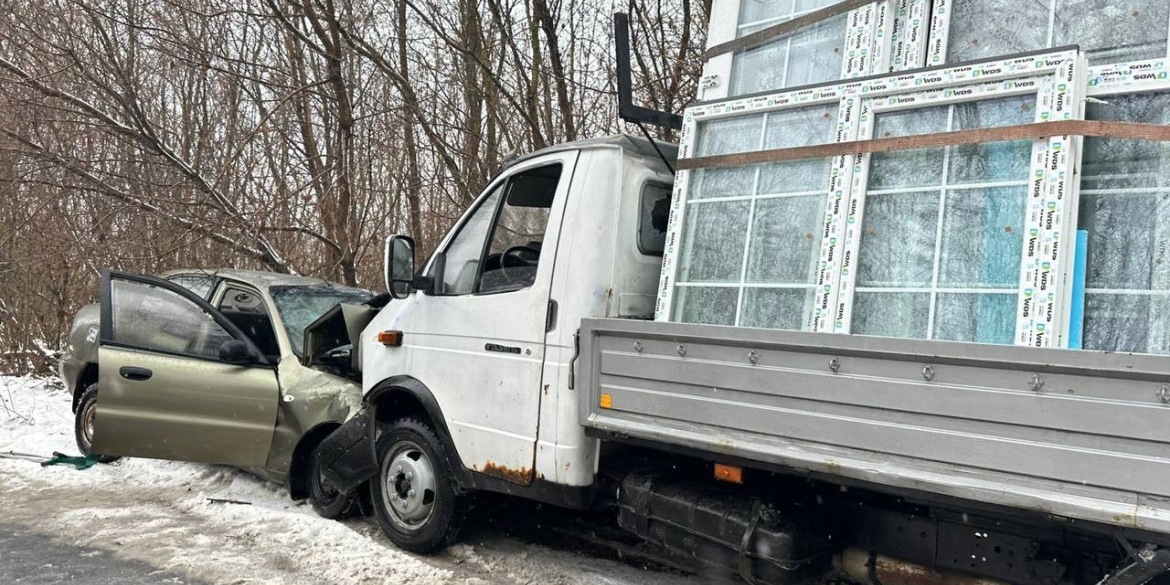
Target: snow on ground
158, 512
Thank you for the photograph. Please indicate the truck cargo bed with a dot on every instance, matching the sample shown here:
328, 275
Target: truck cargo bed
1079, 434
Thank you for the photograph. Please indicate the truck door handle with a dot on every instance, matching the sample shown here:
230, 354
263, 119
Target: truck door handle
501, 348
136, 374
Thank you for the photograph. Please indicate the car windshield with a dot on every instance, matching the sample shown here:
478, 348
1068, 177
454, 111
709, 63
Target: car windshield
299, 306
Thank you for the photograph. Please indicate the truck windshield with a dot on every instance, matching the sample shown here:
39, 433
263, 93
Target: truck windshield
299, 306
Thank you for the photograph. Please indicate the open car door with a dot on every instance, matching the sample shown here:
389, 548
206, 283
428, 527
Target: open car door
177, 380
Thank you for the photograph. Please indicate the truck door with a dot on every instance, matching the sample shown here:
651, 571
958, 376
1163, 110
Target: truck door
177, 380
479, 342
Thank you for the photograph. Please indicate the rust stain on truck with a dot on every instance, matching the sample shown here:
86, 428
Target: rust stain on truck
522, 476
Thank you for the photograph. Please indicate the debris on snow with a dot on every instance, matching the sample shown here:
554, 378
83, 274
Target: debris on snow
171, 515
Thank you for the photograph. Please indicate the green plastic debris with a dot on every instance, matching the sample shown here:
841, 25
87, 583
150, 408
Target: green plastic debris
76, 461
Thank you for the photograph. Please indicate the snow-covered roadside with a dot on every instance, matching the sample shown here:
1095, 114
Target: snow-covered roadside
158, 512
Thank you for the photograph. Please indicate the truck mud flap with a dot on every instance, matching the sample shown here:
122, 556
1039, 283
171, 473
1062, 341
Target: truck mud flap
764, 544
347, 454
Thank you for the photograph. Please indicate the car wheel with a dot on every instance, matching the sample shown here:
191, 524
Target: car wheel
83, 423
414, 495
327, 501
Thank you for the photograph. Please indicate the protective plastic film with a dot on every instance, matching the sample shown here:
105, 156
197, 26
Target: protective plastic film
1125, 207
1108, 31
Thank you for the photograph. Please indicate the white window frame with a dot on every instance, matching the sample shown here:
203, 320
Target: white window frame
885, 36
1058, 99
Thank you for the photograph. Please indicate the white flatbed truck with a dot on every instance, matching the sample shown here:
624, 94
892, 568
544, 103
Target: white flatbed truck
522, 359
532, 369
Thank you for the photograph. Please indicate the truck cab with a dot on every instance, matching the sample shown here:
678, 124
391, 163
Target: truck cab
480, 345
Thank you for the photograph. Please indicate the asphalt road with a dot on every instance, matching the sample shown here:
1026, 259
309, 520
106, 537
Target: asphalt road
29, 558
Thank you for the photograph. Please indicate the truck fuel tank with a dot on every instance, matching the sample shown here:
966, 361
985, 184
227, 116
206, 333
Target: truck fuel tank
760, 541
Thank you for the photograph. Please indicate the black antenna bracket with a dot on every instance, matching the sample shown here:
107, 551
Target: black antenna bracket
625, 86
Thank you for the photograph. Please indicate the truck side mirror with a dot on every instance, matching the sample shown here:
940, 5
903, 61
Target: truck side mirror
399, 266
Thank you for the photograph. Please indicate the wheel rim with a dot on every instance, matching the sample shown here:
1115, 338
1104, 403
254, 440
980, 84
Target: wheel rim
326, 492
408, 485
88, 418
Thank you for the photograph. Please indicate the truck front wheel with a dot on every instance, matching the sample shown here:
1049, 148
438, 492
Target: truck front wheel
414, 495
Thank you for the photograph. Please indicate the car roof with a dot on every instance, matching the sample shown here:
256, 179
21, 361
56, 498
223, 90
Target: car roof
256, 278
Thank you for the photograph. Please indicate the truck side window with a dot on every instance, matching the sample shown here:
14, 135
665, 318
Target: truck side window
653, 215
466, 250
515, 246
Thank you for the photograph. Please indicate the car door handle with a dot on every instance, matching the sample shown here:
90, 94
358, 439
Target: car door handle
136, 374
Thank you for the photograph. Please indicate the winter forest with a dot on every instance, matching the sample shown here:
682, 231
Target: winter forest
284, 135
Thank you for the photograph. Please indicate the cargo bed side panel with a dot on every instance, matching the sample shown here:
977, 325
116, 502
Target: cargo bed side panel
1074, 433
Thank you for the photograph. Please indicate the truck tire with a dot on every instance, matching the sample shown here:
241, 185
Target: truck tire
83, 422
326, 500
414, 495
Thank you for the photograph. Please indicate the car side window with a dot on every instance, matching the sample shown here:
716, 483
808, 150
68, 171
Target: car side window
246, 309
201, 285
465, 252
147, 317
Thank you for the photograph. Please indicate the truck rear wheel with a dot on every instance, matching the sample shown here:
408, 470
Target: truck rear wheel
414, 494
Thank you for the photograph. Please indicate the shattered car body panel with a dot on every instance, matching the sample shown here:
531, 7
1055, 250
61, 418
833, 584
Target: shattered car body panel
304, 399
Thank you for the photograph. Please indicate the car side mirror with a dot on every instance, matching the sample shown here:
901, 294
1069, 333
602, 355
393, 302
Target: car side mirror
235, 351
399, 266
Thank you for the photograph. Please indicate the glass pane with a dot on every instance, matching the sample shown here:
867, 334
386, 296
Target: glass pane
983, 318
759, 68
1129, 239
712, 245
756, 10
776, 308
653, 215
897, 242
1127, 323
983, 237
707, 305
1113, 31
801, 127
995, 161
738, 134
1117, 164
808, 56
798, 176
156, 319
891, 314
981, 29
1126, 198
722, 182
1125, 206
785, 243
815, 53
198, 284
464, 252
910, 168
1110, 31
514, 250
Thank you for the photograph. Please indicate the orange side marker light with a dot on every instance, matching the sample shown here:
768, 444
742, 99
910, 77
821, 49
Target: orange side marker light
390, 338
728, 473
